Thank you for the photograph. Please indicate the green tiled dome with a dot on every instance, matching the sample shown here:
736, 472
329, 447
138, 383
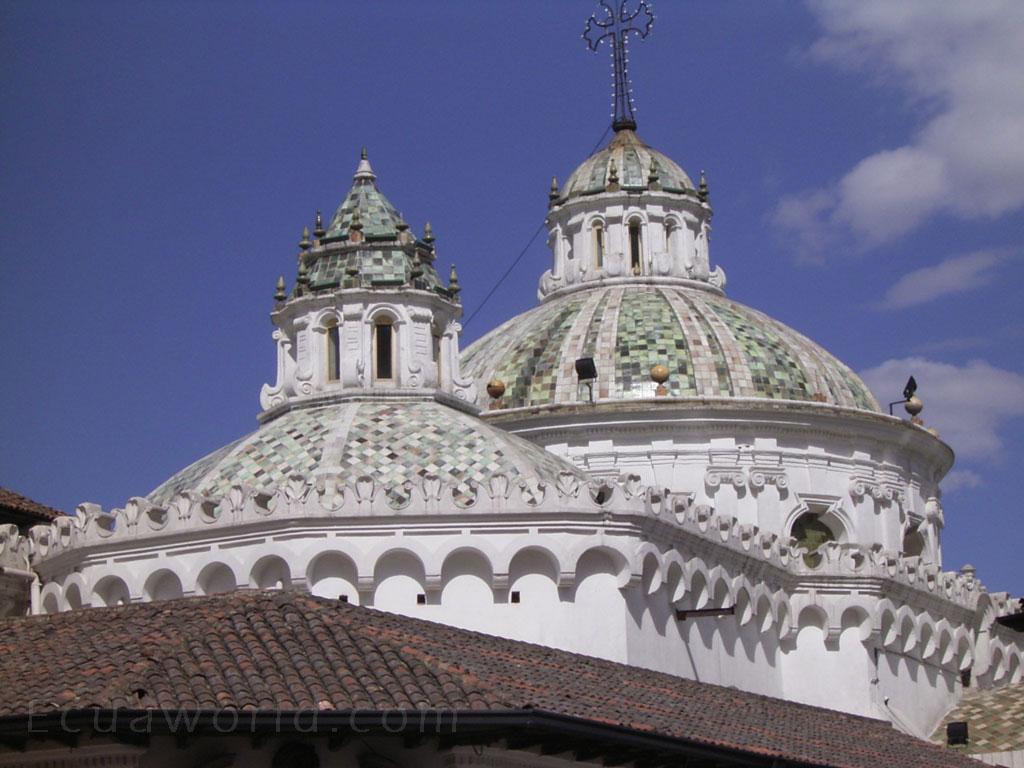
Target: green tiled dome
632, 164
385, 255
392, 442
378, 217
388, 265
712, 346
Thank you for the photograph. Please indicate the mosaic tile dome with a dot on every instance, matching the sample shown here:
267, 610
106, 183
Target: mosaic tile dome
393, 442
632, 163
712, 346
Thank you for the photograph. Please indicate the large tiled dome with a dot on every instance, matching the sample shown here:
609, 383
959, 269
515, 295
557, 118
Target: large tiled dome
392, 442
713, 348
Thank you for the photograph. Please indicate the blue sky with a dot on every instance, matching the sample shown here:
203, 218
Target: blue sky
161, 159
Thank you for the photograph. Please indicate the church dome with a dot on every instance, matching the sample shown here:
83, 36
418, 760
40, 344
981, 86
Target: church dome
712, 346
393, 442
635, 164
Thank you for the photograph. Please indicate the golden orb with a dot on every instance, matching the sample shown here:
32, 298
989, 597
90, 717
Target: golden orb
659, 374
495, 388
914, 405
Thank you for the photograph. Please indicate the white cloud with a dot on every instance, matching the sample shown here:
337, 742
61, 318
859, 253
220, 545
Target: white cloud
969, 404
961, 64
954, 275
961, 479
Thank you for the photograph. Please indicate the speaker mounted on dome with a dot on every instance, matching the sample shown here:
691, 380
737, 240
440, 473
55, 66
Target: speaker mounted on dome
586, 372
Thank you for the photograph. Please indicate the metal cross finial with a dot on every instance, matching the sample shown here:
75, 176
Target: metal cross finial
616, 27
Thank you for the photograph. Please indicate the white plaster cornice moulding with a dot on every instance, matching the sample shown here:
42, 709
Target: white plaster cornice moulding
632, 280
721, 416
321, 504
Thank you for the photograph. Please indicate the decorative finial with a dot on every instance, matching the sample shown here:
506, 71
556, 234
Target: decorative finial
553, 192
496, 389
702, 189
303, 278
613, 176
659, 375
279, 291
428, 234
453, 282
401, 224
304, 243
616, 26
914, 405
318, 227
363, 171
417, 267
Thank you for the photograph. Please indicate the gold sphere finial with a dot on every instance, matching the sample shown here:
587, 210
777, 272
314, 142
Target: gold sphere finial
659, 375
495, 388
914, 405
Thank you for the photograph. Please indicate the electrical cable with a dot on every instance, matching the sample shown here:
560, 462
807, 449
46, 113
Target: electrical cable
522, 253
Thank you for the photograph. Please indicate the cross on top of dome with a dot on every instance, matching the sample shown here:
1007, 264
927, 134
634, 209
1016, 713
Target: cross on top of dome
615, 26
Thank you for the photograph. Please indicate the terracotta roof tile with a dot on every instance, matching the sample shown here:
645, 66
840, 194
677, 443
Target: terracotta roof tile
286, 650
21, 510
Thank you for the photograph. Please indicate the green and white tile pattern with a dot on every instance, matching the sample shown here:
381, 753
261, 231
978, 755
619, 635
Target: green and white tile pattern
392, 442
713, 347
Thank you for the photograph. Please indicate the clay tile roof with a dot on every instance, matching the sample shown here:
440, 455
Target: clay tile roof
287, 650
22, 511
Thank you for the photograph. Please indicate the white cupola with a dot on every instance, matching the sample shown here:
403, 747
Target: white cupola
368, 313
629, 214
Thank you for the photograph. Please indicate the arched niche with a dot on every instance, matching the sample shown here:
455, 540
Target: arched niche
270, 572
399, 577
50, 603
466, 579
334, 575
215, 579
533, 575
110, 591
73, 597
163, 585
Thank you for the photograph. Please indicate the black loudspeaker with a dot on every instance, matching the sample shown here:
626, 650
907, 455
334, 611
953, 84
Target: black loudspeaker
585, 368
956, 732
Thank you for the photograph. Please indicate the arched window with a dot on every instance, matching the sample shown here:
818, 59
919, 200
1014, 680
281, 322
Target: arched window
383, 350
671, 233
598, 245
913, 543
634, 246
333, 351
813, 529
436, 348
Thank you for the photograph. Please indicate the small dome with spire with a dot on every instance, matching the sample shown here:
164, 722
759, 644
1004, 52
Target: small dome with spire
368, 244
635, 164
365, 205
